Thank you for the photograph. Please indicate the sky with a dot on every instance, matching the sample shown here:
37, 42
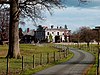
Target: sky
75, 15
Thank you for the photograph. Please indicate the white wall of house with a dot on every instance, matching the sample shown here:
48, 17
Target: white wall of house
63, 38
55, 32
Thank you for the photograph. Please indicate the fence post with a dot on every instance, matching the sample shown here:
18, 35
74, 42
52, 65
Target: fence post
59, 54
7, 72
48, 58
33, 61
66, 52
41, 59
22, 63
54, 56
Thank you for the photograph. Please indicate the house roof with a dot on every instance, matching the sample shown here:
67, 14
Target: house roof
60, 29
31, 32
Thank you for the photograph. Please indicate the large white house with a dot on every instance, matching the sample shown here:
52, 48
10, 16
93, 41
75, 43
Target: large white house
58, 34
46, 34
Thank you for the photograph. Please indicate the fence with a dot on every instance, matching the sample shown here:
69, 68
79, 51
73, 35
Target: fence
29, 62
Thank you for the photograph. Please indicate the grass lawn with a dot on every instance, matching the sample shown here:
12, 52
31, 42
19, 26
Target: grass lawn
27, 51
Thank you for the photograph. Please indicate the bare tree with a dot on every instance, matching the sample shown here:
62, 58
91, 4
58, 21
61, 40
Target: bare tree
4, 23
86, 35
75, 36
24, 8
31, 8
83, 34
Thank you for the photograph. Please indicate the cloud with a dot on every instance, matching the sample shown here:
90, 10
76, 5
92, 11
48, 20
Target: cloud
74, 17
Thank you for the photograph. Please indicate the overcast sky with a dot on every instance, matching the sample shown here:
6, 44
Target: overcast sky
74, 15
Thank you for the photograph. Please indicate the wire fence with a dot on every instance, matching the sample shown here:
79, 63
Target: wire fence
15, 67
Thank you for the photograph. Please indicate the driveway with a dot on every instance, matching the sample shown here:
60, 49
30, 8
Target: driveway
75, 66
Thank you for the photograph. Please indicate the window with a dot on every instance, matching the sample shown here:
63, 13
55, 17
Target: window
63, 33
47, 33
52, 32
57, 33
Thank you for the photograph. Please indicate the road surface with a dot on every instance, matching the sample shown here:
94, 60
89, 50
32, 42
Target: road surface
75, 66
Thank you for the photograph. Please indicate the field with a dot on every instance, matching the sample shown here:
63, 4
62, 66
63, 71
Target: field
28, 67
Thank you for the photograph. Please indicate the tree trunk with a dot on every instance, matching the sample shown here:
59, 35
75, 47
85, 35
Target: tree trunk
88, 44
14, 51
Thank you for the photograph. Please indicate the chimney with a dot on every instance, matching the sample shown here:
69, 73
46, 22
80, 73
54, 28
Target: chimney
60, 27
51, 26
28, 30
